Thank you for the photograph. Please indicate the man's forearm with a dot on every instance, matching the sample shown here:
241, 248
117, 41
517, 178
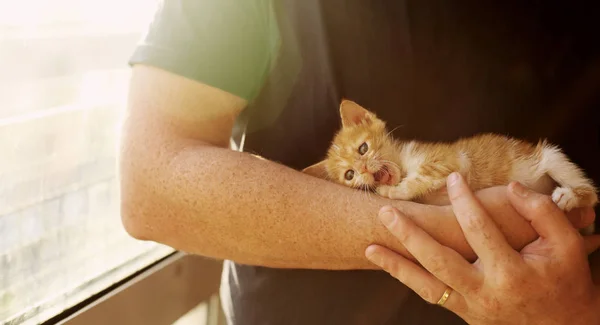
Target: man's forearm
229, 205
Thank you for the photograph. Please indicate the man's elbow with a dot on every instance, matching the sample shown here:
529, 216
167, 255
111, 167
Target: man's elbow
135, 221
134, 225
138, 215
137, 210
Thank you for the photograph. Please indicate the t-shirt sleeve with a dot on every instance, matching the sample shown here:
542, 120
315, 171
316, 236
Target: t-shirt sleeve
227, 44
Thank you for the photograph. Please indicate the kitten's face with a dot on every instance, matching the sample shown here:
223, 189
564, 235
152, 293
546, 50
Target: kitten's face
361, 155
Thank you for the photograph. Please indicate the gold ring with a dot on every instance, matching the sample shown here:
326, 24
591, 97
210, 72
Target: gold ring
445, 296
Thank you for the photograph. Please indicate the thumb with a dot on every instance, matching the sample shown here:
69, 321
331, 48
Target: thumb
548, 220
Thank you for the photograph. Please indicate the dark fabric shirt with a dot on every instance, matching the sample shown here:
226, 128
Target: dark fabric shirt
442, 69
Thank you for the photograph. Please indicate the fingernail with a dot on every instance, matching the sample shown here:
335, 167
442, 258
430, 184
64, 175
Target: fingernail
373, 256
519, 189
387, 216
452, 179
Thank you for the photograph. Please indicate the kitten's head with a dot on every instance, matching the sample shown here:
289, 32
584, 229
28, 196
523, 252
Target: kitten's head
362, 152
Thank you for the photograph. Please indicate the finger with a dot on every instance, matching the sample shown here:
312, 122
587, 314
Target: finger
592, 243
441, 261
481, 232
415, 277
581, 217
548, 220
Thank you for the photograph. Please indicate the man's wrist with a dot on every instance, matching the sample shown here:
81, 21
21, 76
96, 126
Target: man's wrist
438, 221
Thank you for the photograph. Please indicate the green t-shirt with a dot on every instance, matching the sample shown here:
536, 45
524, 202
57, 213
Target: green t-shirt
227, 44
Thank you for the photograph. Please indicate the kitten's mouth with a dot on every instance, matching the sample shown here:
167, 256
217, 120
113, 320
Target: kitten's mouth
382, 176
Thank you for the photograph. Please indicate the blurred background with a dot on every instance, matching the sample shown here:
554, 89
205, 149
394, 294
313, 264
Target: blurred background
63, 87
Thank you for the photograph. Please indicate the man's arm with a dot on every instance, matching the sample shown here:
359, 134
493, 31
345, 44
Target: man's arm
182, 186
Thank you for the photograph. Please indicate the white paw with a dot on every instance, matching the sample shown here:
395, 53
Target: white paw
565, 198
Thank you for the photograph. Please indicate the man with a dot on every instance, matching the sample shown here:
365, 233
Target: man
270, 75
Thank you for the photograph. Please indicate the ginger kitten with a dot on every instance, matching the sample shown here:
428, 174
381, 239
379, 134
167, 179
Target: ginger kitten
363, 155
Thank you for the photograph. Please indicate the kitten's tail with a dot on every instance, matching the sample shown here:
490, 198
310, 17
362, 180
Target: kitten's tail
575, 189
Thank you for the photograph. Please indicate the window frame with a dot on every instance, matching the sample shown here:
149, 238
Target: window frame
157, 295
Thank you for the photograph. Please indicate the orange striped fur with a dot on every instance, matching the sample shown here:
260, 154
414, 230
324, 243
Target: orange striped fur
363, 155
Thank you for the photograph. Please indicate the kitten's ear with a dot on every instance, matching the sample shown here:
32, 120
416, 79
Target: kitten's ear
354, 114
317, 170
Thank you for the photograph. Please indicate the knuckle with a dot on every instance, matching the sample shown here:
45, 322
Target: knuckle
404, 229
436, 264
395, 270
502, 279
542, 203
509, 279
489, 303
427, 294
455, 195
574, 244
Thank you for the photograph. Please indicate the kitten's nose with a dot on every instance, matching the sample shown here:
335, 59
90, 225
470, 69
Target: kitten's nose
363, 169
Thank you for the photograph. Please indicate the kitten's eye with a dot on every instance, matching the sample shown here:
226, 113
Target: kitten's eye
363, 148
349, 175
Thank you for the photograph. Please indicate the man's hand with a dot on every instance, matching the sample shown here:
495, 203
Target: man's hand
441, 223
548, 282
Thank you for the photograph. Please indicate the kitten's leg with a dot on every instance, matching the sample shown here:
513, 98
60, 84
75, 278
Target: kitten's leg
430, 178
575, 189
411, 187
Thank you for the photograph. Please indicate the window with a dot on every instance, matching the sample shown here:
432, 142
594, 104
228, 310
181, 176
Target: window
63, 87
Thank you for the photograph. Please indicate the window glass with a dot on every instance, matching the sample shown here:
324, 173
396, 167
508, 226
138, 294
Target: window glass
63, 88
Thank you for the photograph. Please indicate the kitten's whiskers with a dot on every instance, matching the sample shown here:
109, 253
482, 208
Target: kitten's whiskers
394, 129
391, 163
